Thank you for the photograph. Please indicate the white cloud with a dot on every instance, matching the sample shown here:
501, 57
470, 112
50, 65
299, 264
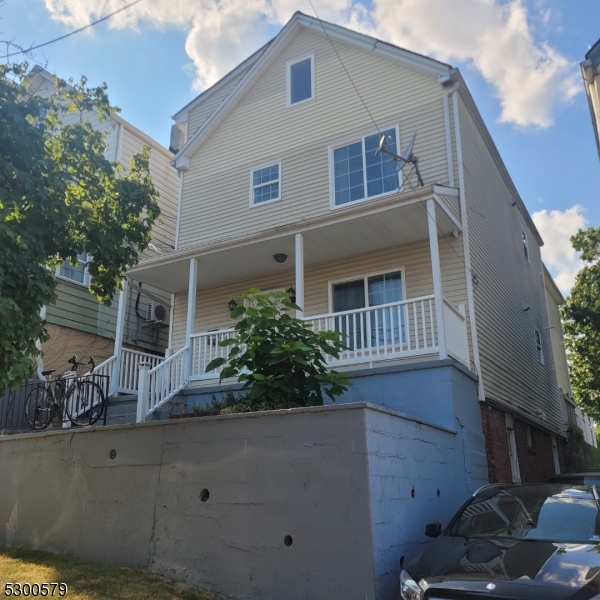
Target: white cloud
556, 228
531, 79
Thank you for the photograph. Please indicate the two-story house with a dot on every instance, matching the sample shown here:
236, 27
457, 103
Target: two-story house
438, 289
77, 322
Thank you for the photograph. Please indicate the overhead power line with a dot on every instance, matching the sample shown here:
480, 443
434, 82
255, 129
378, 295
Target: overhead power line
62, 37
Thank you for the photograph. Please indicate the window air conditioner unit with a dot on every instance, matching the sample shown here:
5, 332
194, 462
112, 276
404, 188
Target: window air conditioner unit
157, 313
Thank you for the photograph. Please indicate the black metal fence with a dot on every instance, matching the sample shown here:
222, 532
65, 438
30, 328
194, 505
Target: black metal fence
54, 404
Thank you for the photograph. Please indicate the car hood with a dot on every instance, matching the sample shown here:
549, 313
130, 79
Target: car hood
474, 562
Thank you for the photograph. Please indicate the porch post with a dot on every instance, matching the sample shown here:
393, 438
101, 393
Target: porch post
437, 277
116, 371
191, 316
300, 274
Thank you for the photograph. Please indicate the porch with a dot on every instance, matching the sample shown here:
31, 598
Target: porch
416, 321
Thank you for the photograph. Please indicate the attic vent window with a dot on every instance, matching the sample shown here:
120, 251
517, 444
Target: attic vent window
300, 80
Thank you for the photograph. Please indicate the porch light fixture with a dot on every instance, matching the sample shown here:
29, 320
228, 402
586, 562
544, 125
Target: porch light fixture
232, 304
292, 293
280, 257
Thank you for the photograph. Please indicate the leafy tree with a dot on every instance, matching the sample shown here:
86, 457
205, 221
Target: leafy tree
59, 197
581, 319
280, 358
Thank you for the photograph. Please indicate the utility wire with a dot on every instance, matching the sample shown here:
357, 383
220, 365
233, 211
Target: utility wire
344, 67
62, 37
407, 178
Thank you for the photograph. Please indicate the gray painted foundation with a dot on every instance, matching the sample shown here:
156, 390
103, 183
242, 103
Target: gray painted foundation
338, 479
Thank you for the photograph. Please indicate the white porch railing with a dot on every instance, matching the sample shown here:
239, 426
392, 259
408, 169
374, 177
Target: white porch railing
455, 326
129, 372
394, 330
205, 347
106, 368
388, 331
164, 380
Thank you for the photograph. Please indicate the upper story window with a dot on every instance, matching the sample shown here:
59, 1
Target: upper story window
77, 273
525, 246
300, 80
539, 347
265, 184
360, 172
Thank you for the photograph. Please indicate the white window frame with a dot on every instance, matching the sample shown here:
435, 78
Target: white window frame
539, 347
86, 274
288, 69
512, 448
348, 142
253, 187
365, 278
525, 244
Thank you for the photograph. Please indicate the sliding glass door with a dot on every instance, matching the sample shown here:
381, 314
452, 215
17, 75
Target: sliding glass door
375, 328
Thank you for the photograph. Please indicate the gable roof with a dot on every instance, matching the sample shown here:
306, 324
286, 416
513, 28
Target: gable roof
257, 64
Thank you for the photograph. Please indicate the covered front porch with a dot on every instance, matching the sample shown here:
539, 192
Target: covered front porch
390, 254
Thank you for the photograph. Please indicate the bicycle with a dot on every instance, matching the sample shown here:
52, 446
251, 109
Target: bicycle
83, 400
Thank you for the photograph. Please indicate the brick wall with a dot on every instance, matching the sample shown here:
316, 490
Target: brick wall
536, 463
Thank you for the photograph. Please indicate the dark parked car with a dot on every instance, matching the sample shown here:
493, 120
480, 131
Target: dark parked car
513, 542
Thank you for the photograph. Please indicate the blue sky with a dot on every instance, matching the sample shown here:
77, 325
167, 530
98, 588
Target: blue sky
153, 57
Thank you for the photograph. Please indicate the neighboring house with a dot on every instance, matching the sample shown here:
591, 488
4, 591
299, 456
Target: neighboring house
77, 322
572, 414
590, 69
438, 290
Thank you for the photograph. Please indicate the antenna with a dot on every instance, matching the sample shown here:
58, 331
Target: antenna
402, 159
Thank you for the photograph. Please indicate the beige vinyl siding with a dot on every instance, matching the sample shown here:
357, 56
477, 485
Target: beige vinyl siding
165, 179
200, 113
511, 372
211, 304
261, 130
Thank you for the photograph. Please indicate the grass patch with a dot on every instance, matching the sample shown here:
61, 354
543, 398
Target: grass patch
90, 581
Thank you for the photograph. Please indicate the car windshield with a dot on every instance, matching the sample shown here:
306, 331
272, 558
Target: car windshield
551, 512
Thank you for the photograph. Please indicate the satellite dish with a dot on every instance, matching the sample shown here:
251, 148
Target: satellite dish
407, 157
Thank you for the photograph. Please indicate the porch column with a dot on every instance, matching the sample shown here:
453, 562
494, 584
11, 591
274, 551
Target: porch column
437, 277
191, 316
116, 371
300, 274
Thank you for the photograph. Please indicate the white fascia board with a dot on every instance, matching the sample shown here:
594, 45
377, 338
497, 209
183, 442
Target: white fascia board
182, 115
367, 42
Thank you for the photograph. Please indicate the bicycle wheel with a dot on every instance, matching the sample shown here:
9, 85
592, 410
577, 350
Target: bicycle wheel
85, 403
39, 408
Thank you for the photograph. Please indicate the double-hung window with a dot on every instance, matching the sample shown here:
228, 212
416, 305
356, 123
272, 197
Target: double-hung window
265, 184
359, 171
75, 272
525, 246
538, 346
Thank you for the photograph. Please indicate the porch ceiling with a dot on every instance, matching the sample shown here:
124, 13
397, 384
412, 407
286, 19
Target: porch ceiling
355, 235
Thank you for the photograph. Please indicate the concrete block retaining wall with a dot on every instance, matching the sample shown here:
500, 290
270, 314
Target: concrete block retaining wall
211, 501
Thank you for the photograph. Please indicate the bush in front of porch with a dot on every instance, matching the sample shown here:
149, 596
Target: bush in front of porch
278, 357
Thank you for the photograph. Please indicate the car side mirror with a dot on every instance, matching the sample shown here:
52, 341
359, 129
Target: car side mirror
433, 530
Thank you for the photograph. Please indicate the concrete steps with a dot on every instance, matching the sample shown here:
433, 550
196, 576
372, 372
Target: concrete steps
121, 409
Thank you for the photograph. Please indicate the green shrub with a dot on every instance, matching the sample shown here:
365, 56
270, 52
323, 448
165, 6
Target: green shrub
279, 358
